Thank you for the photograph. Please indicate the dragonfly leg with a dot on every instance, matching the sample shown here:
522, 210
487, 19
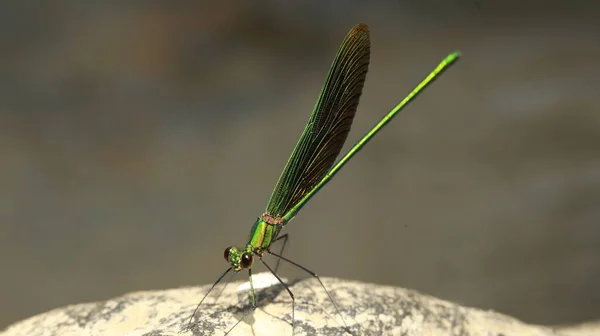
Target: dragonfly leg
252, 302
252, 293
223, 289
286, 288
314, 275
189, 325
285, 239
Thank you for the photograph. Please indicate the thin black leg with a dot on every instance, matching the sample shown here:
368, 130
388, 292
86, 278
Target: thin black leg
252, 302
224, 287
313, 274
285, 239
287, 289
205, 295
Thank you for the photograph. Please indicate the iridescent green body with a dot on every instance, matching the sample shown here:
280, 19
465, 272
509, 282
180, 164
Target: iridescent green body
311, 164
264, 231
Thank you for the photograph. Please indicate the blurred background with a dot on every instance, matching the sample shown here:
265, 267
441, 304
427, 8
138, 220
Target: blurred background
137, 141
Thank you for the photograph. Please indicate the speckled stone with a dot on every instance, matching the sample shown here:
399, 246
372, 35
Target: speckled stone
367, 309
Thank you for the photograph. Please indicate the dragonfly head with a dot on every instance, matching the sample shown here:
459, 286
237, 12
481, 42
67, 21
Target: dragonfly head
238, 258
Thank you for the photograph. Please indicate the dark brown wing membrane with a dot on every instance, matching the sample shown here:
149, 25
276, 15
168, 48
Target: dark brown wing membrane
328, 126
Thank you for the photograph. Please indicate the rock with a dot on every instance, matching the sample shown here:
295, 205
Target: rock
367, 309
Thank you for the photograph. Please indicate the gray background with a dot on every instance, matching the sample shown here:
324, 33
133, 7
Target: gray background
138, 141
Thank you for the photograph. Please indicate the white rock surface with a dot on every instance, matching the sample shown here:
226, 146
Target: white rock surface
366, 308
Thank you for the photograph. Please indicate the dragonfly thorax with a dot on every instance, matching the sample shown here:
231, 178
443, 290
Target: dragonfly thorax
264, 231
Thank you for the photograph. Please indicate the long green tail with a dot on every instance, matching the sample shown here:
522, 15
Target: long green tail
445, 64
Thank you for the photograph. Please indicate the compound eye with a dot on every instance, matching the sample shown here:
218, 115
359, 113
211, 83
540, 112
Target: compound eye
247, 260
227, 252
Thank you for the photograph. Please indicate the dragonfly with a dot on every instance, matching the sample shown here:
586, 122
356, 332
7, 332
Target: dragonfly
311, 164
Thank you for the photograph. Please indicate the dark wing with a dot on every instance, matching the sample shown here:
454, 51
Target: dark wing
328, 126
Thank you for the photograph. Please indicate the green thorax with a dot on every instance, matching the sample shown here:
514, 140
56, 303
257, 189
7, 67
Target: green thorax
264, 231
